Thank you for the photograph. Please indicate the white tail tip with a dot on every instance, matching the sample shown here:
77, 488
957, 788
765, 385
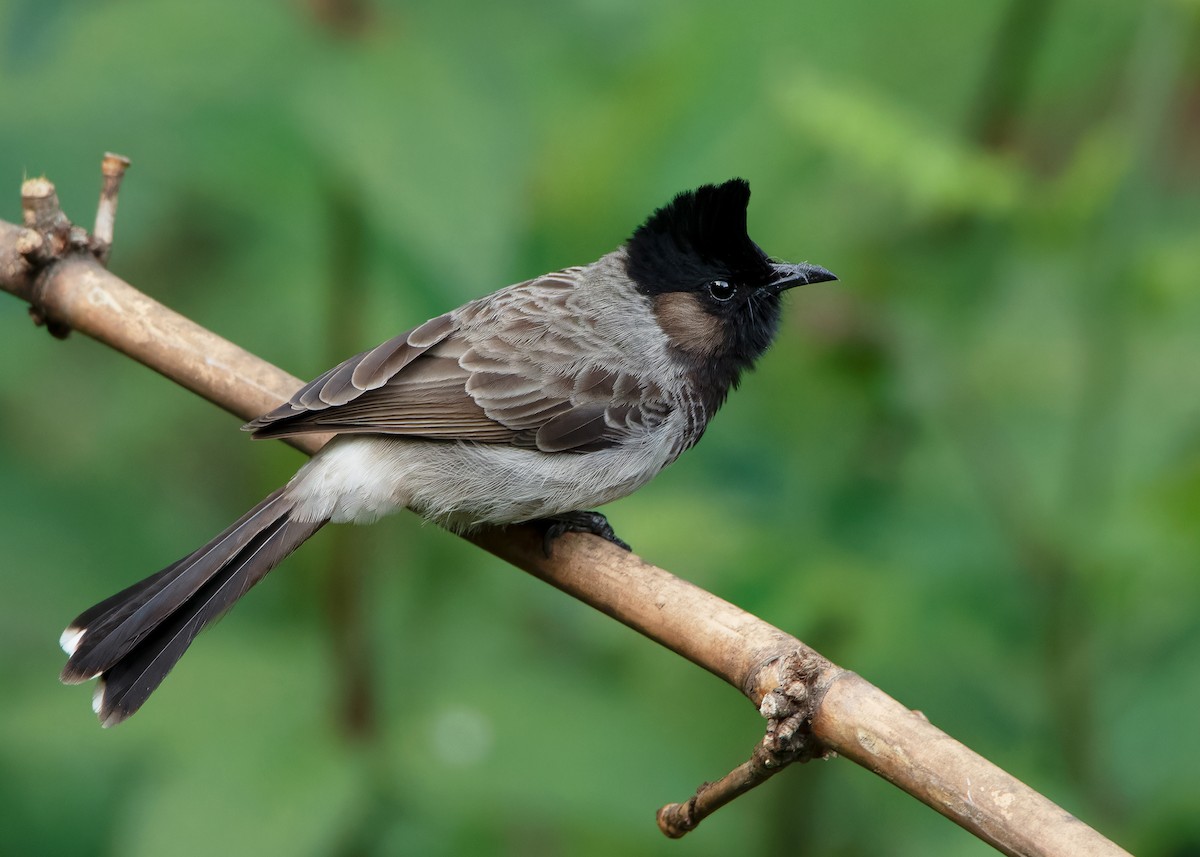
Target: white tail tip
69, 641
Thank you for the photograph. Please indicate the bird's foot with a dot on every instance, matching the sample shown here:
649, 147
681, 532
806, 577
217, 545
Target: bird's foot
578, 522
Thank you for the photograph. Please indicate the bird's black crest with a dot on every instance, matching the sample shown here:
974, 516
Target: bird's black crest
700, 233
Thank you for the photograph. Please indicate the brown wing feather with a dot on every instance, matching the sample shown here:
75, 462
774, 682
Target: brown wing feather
444, 380
350, 379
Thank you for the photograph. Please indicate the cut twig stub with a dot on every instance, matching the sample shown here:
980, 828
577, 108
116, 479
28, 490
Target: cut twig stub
113, 169
42, 213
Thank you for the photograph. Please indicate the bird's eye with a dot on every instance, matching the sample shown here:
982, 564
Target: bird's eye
721, 290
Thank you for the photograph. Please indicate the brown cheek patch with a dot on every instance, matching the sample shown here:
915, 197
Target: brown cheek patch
684, 320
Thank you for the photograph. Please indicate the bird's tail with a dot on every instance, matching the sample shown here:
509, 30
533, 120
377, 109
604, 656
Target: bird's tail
132, 639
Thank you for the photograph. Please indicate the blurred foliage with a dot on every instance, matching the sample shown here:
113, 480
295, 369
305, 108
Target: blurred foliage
970, 471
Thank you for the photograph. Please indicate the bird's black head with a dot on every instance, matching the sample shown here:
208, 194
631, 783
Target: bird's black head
715, 293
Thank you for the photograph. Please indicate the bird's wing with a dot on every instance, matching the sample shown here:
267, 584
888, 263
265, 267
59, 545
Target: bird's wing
504, 369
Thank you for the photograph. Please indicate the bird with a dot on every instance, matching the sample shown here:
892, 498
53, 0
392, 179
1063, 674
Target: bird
535, 403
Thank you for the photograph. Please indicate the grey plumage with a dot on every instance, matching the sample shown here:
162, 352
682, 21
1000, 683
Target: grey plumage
515, 367
537, 401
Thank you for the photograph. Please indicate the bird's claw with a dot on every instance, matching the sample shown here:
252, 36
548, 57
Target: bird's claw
579, 522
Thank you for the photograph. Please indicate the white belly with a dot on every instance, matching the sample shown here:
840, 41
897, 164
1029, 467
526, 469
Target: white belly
359, 478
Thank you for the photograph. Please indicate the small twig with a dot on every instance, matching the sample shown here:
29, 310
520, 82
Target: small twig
678, 819
789, 710
113, 169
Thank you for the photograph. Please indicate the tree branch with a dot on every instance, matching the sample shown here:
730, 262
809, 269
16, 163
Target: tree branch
813, 707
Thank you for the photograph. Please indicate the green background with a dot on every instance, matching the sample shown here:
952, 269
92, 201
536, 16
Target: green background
970, 471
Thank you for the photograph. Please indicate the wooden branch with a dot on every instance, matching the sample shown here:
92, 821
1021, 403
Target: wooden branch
813, 707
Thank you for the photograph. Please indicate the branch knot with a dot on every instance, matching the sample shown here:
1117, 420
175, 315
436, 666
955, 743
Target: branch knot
50, 236
789, 711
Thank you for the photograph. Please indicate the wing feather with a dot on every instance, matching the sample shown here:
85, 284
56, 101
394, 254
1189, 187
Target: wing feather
503, 369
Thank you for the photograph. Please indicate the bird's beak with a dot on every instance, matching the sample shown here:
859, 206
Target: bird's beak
787, 276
